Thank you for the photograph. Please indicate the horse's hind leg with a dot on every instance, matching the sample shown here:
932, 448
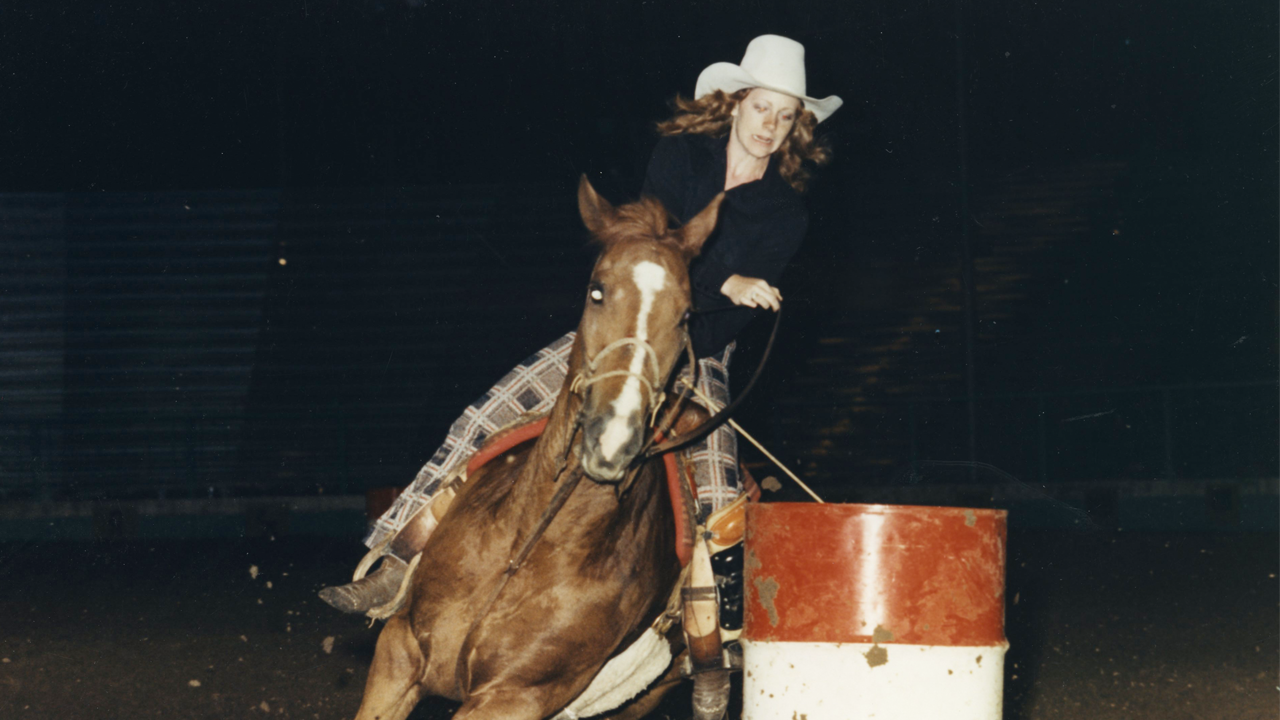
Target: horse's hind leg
395, 678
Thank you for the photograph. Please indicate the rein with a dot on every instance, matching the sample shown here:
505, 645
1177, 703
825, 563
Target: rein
588, 377
514, 564
719, 418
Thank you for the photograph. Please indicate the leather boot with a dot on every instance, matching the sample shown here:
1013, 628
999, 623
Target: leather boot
727, 566
377, 588
380, 587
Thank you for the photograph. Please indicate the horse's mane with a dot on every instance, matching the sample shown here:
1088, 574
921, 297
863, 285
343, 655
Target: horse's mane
644, 218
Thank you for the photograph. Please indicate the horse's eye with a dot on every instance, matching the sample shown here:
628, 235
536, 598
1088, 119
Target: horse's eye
684, 320
596, 293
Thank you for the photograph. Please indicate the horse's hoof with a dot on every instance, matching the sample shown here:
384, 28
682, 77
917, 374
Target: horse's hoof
376, 588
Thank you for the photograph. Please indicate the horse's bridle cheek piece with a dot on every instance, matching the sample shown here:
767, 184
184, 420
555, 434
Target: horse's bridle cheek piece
657, 396
589, 376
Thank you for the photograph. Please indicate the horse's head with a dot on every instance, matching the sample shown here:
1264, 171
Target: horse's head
634, 327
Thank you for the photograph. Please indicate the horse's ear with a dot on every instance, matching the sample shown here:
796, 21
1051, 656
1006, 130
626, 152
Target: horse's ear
695, 232
594, 209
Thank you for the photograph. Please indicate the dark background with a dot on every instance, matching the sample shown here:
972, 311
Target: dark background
111, 96
413, 163
256, 256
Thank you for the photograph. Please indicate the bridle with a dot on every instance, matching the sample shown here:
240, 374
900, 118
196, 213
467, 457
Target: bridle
589, 375
658, 443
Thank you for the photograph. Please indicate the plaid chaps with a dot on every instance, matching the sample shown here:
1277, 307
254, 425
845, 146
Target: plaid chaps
532, 387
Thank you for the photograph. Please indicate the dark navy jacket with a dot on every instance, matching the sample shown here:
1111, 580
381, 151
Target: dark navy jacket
760, 228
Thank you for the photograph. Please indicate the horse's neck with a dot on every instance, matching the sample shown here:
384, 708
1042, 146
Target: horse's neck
556, 453
556, 450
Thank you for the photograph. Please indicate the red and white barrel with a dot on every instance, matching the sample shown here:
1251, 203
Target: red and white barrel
873, 611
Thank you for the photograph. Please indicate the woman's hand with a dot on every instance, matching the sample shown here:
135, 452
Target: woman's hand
751, 292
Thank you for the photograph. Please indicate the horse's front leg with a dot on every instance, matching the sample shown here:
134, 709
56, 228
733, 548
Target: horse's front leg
505, 703
395, 678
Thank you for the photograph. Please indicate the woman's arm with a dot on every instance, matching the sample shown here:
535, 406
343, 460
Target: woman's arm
751, 280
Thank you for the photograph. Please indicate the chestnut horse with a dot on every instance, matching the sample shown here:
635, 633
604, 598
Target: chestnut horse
525, 644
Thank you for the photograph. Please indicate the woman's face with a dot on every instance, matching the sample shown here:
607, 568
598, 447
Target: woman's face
763, 120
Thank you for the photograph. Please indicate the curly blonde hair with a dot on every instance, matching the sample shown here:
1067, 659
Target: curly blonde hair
711, 115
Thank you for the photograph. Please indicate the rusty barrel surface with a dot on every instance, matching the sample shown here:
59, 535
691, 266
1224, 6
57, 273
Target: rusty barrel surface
873, 611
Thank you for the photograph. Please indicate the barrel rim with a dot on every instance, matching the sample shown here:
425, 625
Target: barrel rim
889, 509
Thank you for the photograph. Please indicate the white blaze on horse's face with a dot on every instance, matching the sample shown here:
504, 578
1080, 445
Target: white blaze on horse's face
650, 279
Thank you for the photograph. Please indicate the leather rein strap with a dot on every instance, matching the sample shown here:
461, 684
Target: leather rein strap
557, 502
719, 418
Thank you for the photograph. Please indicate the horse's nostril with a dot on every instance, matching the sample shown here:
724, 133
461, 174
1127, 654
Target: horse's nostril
595, 427
632, 446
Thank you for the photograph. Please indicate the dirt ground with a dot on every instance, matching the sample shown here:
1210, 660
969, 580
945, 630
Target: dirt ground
1103, 626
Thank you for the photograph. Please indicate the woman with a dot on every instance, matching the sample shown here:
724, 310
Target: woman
747, 133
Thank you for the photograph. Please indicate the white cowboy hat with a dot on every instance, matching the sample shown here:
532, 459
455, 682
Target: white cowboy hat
771, 62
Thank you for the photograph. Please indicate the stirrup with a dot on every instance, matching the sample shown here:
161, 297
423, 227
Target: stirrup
371, 557
360, 595
382, 612
700, 620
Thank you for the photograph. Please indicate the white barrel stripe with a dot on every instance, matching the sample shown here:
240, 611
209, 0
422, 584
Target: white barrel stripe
852, 681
